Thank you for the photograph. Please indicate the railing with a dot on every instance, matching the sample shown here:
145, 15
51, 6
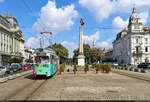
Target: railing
137, 52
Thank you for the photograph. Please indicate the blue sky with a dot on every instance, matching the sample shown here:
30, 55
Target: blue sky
62, 18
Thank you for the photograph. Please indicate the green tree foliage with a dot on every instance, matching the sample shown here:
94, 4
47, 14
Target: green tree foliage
92, 55
61, 51
29, 61
15, 60
87, 52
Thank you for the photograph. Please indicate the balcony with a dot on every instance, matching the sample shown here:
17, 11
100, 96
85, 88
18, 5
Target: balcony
138, 53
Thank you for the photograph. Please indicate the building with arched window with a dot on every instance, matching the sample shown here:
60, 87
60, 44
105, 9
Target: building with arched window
11, 39
132, 45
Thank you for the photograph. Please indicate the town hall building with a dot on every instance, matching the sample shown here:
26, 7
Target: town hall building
132, 45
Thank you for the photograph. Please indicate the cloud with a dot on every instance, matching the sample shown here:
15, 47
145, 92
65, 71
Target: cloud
118, 22
144, 17
32, 42
102, 9
55, 19
91, 38
105, 44
70, 46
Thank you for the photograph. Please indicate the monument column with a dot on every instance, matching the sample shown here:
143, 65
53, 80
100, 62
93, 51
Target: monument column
81, 57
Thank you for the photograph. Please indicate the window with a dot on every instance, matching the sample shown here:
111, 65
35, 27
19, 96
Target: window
146, 40
136, 27
146, 49
137, 49
137, 41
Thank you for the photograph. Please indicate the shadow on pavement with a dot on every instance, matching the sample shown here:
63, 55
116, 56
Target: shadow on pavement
42, 77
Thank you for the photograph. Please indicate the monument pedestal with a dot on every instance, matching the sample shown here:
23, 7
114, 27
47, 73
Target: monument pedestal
81, 60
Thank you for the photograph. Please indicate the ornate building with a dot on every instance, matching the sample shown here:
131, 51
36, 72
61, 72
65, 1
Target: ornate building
11, 39
132, 45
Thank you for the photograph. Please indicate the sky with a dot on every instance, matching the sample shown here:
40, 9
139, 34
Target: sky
62, 18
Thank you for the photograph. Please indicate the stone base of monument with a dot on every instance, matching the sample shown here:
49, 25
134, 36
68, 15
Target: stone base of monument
81, 60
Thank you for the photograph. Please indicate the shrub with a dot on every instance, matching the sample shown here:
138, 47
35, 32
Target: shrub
62, 67
126, 68
107, 67
97, 67
86, 67
131, 69
143, 71
75, 68
102, 66
94, 65
136, 70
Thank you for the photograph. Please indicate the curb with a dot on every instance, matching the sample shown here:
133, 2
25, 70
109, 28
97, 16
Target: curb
3, 79
11, 77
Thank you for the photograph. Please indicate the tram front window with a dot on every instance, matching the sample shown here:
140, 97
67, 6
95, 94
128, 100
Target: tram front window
44, 60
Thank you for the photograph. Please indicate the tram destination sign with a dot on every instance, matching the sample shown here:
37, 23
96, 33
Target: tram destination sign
41, 54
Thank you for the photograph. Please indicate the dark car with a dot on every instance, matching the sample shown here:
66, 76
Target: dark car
144, 65
15, 67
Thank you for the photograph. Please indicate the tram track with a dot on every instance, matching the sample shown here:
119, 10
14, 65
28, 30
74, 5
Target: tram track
26, 91
139, 77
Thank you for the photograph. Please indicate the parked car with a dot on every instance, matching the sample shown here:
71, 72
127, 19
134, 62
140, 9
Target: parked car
2, 70
26, 67
144, 65
7, 70
15, 67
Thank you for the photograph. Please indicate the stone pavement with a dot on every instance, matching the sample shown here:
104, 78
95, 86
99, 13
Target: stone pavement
93, 87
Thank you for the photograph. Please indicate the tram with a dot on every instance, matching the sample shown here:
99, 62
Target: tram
46, 62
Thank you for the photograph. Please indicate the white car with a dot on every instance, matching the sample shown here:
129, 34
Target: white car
115, 64
2, 70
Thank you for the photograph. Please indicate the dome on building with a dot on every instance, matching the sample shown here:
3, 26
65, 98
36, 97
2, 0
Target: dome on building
134, 18
12, 20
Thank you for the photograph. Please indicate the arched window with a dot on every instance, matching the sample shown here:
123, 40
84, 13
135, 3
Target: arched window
146, 49
137, 40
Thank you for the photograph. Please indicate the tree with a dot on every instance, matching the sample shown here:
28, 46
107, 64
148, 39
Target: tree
76, 51
29, 61
61, 51
92, 55
87, 51
100, 54
15, 60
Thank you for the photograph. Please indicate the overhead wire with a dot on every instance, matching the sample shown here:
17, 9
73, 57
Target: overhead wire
40, 23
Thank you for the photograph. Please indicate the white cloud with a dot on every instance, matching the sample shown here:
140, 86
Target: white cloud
55, 19
144, 17
102, 9
70, 46
91, 38
105, 44
32, 42
118, 22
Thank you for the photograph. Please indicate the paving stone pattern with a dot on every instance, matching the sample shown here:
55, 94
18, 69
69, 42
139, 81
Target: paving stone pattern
83, 86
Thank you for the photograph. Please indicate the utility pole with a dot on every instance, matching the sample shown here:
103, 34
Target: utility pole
42, 38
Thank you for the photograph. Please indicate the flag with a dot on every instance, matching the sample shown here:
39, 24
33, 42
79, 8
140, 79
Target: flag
81, 22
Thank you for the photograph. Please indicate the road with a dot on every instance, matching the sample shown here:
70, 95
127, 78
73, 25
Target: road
76, 87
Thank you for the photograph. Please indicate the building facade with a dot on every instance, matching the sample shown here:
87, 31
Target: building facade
108, 55
11, 39
29, 54
132, 45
